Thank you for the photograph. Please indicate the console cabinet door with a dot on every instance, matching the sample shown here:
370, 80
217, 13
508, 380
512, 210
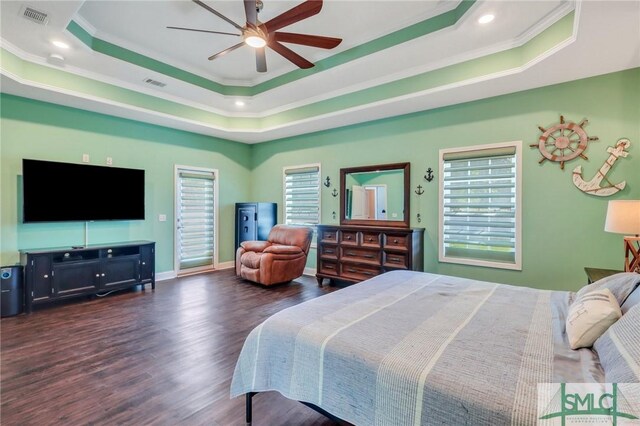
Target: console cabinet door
120, 271
147, 266
40, 276
76, 278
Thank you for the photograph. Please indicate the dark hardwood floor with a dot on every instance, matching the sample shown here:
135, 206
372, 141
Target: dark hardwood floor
144, 357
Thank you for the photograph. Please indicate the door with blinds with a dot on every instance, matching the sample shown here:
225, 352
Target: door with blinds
196, 219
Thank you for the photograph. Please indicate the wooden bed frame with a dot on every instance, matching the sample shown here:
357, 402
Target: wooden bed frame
249, 410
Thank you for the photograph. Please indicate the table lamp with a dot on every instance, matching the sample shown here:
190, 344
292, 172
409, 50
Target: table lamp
623, 217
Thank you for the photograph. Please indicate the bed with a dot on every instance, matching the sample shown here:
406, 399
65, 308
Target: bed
411, 348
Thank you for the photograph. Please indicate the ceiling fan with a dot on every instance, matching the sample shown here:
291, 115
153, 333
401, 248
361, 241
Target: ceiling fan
260, 35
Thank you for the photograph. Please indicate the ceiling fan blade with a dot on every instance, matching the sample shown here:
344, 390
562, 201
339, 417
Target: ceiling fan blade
251, 12
290, 55
225, 51
218, 14
298, 13
261, 60
308, 40
203, 31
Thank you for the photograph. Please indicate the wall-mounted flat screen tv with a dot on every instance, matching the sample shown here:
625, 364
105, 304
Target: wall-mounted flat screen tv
56, 192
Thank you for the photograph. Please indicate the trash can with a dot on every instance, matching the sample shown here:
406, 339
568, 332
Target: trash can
11, 287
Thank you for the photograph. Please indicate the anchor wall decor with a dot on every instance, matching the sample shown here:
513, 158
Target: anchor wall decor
593, 187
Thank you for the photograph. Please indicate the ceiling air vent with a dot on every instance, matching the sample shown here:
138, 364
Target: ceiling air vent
35, 15
154, 82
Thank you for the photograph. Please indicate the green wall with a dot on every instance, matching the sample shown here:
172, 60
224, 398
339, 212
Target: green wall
563, 228
33, 129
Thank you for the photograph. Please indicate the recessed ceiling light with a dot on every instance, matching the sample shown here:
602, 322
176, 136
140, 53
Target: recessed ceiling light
240, 103
60, 44
485, 19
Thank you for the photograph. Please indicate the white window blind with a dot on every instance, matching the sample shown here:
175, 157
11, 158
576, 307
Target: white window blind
196, 219
479, 217
302, 195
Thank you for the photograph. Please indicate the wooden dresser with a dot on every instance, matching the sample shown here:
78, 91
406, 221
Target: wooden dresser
356, 253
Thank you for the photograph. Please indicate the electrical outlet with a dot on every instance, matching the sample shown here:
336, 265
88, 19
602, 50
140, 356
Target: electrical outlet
109, 161
85, 158
162, 217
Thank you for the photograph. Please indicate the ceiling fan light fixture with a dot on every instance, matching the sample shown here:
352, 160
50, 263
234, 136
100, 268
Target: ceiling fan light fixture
255, 41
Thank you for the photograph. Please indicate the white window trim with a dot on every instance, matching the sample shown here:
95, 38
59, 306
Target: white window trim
216, 220
518, 239
314, 245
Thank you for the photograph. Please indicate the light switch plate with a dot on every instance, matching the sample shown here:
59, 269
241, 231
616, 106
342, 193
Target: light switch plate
162, 217
109, 161
85, 158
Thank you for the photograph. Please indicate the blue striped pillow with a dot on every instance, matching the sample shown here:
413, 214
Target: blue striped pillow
619, 349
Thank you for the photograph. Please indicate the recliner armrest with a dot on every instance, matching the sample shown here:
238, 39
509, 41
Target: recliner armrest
282, 249
257, 246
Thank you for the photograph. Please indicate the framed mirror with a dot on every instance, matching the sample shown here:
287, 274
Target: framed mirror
375, 195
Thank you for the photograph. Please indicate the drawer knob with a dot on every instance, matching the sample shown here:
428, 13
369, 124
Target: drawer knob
370, 239
395, 241
102, 275
97, 275
348, 237
144, 263
46, 276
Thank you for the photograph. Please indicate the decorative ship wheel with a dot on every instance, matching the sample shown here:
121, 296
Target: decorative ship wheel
563, 141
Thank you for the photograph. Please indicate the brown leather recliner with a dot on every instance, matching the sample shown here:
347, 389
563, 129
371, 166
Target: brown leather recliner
280, 259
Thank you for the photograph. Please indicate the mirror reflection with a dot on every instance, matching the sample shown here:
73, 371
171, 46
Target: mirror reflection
375, 195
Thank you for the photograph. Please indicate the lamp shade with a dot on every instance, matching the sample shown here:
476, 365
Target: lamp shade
623, 217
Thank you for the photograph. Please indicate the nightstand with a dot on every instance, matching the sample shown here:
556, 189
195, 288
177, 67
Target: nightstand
595, 274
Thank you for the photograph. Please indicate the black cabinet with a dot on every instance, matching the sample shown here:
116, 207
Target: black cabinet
254, 221
52, 274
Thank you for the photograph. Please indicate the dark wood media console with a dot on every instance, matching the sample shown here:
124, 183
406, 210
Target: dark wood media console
59, 273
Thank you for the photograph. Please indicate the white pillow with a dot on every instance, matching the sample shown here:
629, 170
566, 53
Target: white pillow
590, 316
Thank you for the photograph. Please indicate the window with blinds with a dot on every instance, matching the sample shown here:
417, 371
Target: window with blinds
302, 195
196, 219
480, 206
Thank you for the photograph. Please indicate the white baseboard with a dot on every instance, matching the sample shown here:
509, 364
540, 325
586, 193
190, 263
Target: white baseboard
166, 275
226, 265
310, 272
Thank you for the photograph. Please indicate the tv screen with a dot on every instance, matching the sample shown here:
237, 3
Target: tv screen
54, 192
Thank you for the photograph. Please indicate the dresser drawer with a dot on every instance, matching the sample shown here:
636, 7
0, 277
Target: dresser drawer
360, 255
329, 236
328, 267
349, 238
358, 272
396, 260
328, 251
370, 239
396, 241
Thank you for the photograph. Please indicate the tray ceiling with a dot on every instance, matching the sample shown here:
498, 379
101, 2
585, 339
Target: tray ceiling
397, 57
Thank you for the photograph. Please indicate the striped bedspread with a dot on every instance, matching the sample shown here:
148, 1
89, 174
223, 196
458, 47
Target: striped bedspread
409, 348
